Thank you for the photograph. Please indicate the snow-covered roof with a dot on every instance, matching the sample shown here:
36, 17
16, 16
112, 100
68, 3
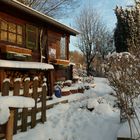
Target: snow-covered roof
25, 65
41, 16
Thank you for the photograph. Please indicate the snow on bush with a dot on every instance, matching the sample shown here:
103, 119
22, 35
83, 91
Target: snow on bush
124, 76
123, 72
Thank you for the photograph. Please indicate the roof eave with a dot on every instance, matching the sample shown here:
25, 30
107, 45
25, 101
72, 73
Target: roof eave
41, 16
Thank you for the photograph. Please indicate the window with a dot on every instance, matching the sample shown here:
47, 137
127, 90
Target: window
63, 48
31, 37
11, 32
52, 53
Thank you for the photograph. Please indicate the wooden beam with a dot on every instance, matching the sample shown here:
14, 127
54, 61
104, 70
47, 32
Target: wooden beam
60, 61
15, 49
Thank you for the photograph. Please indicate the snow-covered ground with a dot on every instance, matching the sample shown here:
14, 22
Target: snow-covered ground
73, 121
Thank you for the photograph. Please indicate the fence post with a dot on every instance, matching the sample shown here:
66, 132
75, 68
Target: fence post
9, 126
50, 83
16, 93
34, 109
5, 87
43, 100
25, 110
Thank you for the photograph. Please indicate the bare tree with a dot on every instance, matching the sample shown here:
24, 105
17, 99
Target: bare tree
93, 35
53, 8
76, 57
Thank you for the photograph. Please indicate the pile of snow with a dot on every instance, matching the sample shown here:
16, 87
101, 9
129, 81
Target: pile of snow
104, 109
92, 103
13, 101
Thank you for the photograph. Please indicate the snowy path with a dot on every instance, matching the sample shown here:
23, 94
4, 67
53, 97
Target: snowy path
72, 121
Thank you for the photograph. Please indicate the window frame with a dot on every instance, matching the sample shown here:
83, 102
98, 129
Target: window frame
11, 32
35, 32
63, 48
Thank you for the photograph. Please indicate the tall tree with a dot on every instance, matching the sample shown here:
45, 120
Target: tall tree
53, 8
93, 37
127, 32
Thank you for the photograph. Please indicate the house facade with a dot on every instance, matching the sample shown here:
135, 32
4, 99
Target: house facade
27, 35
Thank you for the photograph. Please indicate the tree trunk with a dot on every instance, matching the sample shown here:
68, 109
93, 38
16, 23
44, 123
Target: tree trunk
88, 69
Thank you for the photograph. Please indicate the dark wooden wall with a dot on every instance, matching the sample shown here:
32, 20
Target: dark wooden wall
35, 52
51, 34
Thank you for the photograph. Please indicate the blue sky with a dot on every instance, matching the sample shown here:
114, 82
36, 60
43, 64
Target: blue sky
105, 9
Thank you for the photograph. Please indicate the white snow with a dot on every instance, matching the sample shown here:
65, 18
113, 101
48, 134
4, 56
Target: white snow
102, 87
35, 78
13, 101
4, 113
73, 121
44, 84
25, 65
44, 79
104, 109
17, 79
92, 103
6, 80
27, 79
71, 64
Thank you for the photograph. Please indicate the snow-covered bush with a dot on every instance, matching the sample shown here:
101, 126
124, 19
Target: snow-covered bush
124, 68
124, 76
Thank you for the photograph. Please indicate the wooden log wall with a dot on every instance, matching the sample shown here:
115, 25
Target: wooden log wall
27, 117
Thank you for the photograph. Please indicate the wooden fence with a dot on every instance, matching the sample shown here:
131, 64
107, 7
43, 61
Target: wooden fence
27, 117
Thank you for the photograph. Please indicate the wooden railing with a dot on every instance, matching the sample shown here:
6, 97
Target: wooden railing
27, 117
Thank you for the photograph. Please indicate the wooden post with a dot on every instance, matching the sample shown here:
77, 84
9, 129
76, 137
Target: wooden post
9, 126
71, 72
25, 110
43, 100
16, 93
2, 77
50, 83
5, 88
33, 114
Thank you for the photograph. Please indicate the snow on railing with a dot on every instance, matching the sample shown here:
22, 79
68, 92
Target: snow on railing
10, 96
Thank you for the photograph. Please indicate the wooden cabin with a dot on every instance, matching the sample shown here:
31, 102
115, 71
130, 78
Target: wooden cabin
27, 35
